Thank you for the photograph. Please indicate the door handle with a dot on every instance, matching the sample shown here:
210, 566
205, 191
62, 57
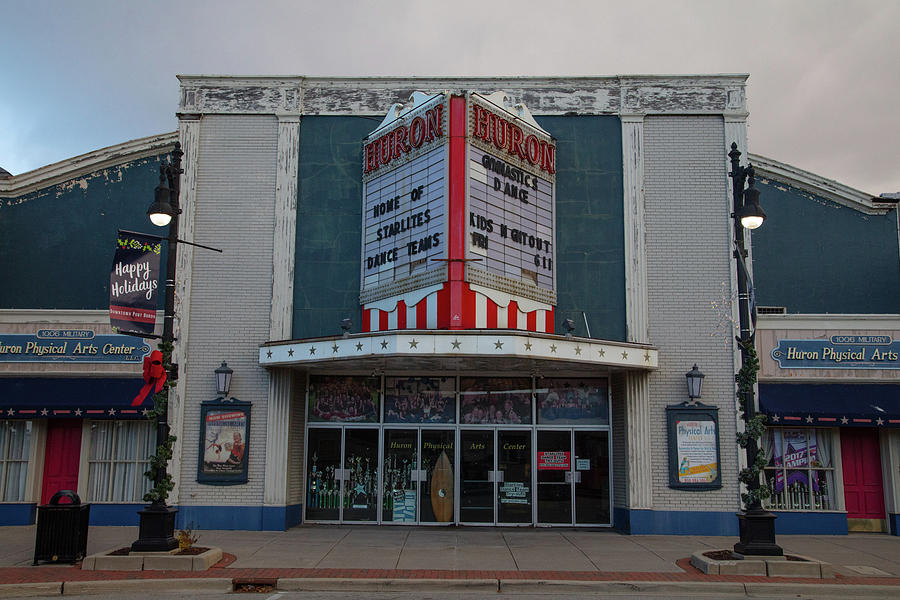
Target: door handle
577, 476
499, 476
568, 476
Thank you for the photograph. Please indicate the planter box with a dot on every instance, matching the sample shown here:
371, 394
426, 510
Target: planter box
771, 566
152, 561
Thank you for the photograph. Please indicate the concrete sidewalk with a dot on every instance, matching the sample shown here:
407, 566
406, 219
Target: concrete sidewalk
360, 553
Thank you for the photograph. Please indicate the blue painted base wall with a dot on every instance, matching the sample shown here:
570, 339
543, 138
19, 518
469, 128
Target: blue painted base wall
677, 522
894, 524
280, 518
249, 518
116, 514
810, 523
17, 514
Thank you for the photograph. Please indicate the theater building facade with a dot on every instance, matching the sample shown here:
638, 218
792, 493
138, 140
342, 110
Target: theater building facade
450, 302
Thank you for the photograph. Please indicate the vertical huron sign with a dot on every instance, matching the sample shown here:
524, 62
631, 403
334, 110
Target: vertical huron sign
133, 283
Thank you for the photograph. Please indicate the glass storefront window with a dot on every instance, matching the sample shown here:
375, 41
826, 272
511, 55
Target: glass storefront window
457, 449
118, 460
495, 400
419, 399
436, 498
15, 443
343, 399
800, 470
401, 476
572, 402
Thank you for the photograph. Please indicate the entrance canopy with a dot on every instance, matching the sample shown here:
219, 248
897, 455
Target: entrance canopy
462, 350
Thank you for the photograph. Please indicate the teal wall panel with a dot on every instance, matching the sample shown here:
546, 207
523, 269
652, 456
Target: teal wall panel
329, 216
590, 251
57, 243
815, 256
590, 235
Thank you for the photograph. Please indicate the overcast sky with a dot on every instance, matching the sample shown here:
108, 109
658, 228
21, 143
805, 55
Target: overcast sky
823, 90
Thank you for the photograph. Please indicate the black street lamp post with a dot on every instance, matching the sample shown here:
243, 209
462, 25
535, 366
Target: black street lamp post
157, 524
756, 525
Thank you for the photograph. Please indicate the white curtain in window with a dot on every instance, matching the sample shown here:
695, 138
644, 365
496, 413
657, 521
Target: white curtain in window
118, 460
768, 445
824, 439
15, 443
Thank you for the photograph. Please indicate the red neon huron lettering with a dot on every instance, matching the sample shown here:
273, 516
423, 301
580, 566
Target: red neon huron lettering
402, 139
501, 133
508, 136
515, 144
481, 122
417, 132
548, 157
532, 149
370, 157
433, 125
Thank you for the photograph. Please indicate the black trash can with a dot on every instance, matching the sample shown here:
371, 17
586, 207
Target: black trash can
62, 529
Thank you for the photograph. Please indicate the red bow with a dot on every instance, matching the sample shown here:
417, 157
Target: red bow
154, 377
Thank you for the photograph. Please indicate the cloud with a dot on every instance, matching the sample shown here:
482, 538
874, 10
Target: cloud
822, 85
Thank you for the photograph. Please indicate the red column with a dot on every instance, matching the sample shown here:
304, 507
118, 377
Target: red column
457, 209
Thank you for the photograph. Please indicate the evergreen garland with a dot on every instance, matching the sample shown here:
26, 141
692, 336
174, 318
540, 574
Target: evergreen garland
753, 430
160, 492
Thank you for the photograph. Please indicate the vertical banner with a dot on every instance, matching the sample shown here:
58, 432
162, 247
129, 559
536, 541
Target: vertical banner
133, 283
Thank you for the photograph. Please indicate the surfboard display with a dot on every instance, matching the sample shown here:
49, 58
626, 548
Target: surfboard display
442, 489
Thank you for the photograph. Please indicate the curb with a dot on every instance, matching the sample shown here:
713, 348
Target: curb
220, 584
30, 590
821, 591
558, 588
324, 584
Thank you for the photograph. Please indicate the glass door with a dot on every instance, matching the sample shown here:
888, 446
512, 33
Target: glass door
514, 477
323, 475
436, 501
554, 477
400, 480
591, 475
476, 489
360, 475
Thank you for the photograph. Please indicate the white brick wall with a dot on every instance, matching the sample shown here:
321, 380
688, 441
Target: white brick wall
230, 299
688, 261
296, 490
619, 443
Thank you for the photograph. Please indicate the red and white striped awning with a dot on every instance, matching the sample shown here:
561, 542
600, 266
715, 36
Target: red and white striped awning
459, 350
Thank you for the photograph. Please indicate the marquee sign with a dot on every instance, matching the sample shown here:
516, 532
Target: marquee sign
511, 177
404, 199
458, 217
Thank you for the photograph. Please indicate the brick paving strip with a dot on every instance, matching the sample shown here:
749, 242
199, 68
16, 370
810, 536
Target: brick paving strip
52, 574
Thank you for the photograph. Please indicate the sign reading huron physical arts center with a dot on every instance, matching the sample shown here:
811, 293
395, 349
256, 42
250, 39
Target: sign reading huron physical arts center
458, 216
839, 352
